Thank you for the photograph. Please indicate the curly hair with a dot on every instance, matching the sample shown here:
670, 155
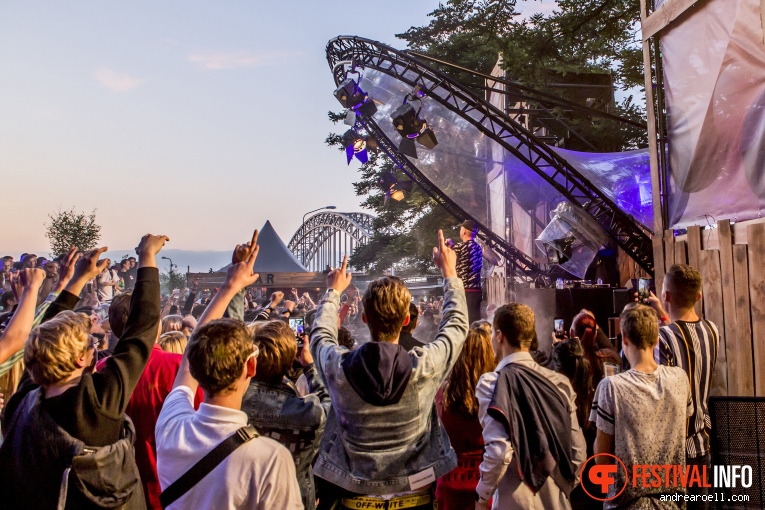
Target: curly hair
217, 353
53, 348
278, 348
476, 359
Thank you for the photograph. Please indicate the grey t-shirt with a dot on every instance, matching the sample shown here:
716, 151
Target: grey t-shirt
646, 414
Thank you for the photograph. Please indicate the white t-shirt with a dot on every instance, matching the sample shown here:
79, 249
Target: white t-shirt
260, 474
646, 414
106, 293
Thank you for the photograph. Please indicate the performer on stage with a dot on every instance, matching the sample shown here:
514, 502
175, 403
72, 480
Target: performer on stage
469, 263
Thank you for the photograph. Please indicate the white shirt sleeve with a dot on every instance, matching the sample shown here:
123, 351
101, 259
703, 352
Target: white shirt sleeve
498, 451
179, 402
280, 489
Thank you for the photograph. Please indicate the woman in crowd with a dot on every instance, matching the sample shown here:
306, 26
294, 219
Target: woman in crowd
585, 328
173, 341
458, 409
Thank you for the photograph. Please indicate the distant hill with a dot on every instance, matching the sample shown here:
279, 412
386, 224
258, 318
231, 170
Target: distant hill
200, 261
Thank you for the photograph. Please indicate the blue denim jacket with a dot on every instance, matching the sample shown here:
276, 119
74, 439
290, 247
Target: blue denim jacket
375, 450
279, 412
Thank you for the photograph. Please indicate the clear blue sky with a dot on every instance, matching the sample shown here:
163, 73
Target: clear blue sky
199, 120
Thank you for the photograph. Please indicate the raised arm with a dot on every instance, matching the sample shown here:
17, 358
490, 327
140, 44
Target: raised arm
441, 354
324, 332
116, 381
239, 276
15, 335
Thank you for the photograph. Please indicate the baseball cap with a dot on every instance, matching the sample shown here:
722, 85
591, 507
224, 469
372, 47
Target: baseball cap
469, 225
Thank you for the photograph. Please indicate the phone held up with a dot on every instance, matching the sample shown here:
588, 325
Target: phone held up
560, 331
644, 289
299, 329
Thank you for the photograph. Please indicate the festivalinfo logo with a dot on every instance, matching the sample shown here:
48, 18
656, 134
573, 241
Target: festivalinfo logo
614, 474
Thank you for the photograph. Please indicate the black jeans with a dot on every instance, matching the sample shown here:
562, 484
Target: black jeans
473, 299
705, 460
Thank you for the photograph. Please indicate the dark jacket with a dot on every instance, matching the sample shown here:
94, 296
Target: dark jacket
279, 412
408, 342
538, 424
92, 412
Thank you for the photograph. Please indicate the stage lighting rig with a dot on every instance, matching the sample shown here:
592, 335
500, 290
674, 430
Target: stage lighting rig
350, 95
394, 189
411, 127
358, 146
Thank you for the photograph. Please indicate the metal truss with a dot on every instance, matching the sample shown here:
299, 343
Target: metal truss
355, 52
326, 236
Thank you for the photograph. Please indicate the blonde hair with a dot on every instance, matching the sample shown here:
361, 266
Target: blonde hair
53, 348
173, 341
278, 348
172, 323
386, 306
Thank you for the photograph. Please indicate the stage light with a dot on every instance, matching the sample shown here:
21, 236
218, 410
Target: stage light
352, 97
393, 188
408, 124
358, 146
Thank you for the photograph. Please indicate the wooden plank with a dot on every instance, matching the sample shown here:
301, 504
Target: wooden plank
694, 249
669, 248
662, 17
681, 252
740, 360
727, 280
709, 267
756, 236
658, 262
653, 147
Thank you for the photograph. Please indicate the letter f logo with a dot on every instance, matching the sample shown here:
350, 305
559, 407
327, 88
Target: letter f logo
603, 475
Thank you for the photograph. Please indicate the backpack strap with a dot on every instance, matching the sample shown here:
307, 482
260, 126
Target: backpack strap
206, 464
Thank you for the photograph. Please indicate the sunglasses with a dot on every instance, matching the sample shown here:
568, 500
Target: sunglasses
255, 352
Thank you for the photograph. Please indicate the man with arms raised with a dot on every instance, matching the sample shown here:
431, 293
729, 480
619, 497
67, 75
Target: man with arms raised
384, 443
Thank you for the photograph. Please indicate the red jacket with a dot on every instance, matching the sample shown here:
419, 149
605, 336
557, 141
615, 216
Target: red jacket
144, 407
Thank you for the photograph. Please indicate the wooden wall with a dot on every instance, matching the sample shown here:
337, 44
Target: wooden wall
731, 259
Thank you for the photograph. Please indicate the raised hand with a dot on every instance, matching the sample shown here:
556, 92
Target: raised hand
66, 266
445, 258
241, 275
339, 279
88, 266
148, 248
243, 251
32, 279
276, 298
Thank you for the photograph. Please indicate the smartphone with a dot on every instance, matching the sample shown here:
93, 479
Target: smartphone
560, 331
297, 326
610, 369
644, 288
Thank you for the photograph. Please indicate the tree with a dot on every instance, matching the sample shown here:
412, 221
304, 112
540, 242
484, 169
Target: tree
72, 228
171, 280
580, 36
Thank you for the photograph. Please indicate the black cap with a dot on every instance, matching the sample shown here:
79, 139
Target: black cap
469, 225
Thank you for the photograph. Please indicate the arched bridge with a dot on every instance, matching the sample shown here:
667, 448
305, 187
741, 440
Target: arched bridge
327, 236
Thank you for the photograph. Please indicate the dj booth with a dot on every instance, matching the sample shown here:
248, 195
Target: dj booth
549, 304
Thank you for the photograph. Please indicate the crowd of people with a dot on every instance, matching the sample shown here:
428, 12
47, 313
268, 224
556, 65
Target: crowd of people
115, 397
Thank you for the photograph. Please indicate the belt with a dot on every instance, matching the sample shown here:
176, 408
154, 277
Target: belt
399, 502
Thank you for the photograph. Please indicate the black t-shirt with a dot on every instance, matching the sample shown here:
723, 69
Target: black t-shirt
127, 277
469, 263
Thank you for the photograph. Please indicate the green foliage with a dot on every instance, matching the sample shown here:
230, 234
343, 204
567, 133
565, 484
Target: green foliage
579, 36
171, 280
72, 228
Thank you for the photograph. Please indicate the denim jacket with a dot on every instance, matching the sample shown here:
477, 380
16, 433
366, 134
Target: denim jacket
380, 450
279, 412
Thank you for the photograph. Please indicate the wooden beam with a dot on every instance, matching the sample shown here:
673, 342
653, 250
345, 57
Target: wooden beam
681, 253
662, 17
727, 281
270, 280
756, 236
740, 359
694, 252
653, 155
669, 248
709, 266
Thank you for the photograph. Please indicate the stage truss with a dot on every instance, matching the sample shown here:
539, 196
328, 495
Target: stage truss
353, 54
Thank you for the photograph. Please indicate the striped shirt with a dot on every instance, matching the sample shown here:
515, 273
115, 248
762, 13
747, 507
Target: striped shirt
692, 346
469, 263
